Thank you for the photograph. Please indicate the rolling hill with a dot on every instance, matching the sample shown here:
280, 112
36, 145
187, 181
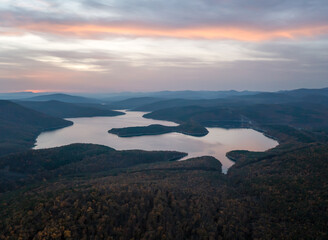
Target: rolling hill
85, 191
19, 126
103, 193
34, 165
19, 95
300, 115
63, 98
298, 96
68, 110
133, 103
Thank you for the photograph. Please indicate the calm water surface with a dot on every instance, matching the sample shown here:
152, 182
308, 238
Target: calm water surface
217, 143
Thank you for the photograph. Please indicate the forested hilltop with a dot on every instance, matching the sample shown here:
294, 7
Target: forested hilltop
280, 196
68, 110
19, 126
86, 191
188, 128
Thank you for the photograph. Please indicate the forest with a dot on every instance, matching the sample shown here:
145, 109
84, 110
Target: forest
19, 126
87, 191
189, 128
280, 196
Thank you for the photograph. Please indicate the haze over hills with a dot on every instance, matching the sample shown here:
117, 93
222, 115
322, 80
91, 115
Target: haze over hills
68, 110
188, 94
63, 98
157, 100
299, 115
304, 92
117, 97
134, 103
139, 100
300, 96
19, 95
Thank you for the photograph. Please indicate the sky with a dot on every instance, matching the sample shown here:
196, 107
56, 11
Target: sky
153, 45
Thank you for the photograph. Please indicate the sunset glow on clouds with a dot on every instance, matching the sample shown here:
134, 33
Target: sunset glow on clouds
204, 32
154, 45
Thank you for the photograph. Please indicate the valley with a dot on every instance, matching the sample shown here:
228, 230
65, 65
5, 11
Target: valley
94, 130
80, 180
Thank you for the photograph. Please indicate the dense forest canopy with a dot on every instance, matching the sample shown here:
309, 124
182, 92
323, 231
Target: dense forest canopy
86, 191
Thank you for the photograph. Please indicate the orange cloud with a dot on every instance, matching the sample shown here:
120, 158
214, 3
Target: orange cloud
11, 33
220, 32
37, 91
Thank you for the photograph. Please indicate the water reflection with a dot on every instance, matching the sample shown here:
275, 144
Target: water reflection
217, 143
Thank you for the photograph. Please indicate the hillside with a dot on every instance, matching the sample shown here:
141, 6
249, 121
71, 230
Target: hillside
19, 95
19, 126
62, 98
35, 165
202, 94
68, 110
132, 103
299, 115
298, 96
222, 117
85, 191
278, 196
187, 94
291, 188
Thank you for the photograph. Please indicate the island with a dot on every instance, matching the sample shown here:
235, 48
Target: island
188, 128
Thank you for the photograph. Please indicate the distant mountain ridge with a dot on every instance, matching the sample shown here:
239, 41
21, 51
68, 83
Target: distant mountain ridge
63, 98
132, 103
117, 98
67, 110
298, 96
20, 95
187, 94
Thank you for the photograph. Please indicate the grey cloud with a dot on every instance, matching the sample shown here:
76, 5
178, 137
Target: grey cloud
268, 14
306, 68
294, 64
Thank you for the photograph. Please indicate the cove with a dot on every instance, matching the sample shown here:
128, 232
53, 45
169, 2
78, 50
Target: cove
216, 143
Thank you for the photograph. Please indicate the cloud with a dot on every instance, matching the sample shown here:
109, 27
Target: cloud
236, 19
93, 55
81, 65
90, 45
212, 32
167, 64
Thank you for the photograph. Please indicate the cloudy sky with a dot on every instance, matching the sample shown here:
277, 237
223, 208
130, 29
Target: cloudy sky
150, 45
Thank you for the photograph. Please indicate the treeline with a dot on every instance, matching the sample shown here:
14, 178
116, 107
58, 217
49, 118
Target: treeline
279, 196
69, 110
188, 128
299, 115
36, 165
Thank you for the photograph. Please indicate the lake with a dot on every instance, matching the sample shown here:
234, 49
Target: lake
216, 143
